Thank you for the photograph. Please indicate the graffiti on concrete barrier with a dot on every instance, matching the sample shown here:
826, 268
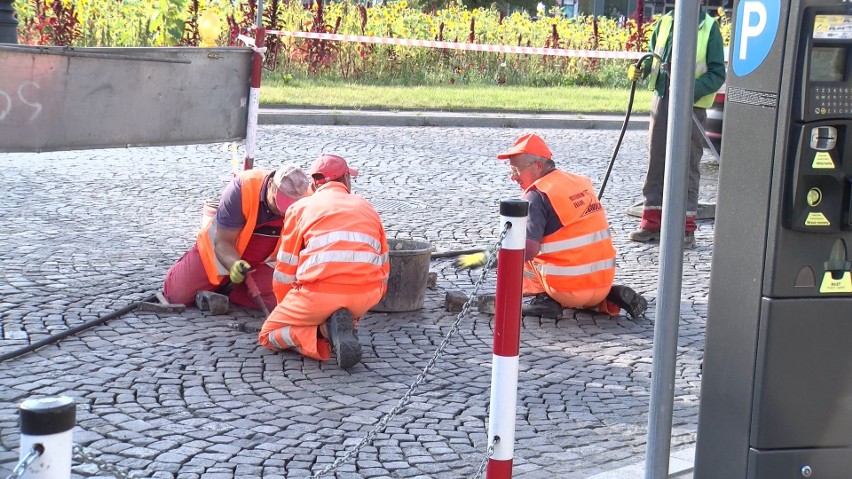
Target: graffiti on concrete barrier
25, 94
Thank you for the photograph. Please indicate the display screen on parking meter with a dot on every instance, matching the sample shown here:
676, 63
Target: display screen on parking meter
828, 64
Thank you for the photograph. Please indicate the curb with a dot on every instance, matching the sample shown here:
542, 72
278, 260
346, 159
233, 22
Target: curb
680, 467
330, 117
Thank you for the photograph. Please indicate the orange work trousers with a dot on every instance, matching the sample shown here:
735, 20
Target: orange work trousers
294, 323
592, 299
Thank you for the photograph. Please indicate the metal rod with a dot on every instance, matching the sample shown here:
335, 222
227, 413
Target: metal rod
71, 331
679, 128
704, 135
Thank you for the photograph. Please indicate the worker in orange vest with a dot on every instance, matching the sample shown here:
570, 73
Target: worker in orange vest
332, 267
570, 258
242, 236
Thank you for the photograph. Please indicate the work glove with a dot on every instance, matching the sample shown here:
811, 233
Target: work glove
634, 72
239, 271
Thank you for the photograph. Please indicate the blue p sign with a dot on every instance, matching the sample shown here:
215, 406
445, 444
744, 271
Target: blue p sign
757, 25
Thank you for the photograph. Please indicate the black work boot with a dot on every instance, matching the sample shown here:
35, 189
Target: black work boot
628, 300
344, 338
542, 305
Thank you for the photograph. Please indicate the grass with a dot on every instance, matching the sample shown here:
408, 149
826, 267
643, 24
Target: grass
341, 95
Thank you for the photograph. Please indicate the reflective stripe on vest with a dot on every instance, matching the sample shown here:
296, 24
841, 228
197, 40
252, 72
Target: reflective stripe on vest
704, 29
318, 242
577, 242
287, 258
342, 257
549, 269
283, 277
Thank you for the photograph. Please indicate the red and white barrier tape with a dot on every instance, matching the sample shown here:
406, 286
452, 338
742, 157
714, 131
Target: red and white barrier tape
477, 47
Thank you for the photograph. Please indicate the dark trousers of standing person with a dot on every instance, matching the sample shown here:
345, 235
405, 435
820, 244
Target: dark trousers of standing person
653, 188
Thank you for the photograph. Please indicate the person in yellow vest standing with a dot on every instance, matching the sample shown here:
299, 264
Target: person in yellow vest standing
709, 77
332, 268
242, 236
570, 258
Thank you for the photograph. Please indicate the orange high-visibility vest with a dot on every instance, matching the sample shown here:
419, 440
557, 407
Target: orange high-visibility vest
250, 188
332, 242
580, 255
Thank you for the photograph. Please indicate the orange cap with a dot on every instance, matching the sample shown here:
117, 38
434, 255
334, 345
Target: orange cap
529, 143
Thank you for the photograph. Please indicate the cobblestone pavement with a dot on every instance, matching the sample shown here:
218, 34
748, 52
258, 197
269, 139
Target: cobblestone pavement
188, 396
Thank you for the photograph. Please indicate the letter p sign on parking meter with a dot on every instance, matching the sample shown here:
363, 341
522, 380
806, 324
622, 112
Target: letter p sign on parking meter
757, 24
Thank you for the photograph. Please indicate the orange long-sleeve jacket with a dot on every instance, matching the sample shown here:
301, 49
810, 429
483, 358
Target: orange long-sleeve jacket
332, 242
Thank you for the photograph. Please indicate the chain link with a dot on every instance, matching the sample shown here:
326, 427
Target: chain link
81, 455
403, 401
485, 459
26, 461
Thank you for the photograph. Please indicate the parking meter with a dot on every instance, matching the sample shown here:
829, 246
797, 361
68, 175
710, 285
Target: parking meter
776, 393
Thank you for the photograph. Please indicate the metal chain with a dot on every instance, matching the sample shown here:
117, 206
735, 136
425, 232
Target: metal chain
26, 461
485, 459
403, 401
81, 455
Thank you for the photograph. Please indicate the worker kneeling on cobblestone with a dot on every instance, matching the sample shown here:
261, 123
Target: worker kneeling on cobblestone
332, 267
242, 236
570, 258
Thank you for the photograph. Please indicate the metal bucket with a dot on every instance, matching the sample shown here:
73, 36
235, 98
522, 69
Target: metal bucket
409, 269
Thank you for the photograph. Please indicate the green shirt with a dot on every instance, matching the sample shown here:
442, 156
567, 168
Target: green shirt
706, 84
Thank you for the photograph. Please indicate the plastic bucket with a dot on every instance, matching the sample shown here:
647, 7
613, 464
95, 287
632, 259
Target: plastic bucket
409, 269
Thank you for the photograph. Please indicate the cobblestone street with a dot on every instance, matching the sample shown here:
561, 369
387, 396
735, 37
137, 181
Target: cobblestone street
189, 396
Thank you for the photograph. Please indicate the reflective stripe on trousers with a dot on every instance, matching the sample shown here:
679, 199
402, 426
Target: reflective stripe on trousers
281, 340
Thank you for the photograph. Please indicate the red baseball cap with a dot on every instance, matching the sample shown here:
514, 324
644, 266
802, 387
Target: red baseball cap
529, 143
330, 167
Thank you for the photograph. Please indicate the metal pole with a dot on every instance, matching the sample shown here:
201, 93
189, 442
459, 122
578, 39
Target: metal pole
8, 22
46, 425
679, 128
507, 338
254, 90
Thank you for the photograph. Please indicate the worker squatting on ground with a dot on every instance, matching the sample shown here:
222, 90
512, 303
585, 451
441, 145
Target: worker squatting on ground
332, 267
242, 236
709, 77
570, 258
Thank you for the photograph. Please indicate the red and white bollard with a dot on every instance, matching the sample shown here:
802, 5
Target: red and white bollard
254, 93
46, 425
507, 338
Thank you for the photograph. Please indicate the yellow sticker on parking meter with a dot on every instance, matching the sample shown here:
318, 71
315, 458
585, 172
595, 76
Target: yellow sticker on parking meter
817, 219
831, 285
823, 161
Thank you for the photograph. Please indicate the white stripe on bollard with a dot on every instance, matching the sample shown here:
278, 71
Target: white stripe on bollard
504, 399
48, 422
